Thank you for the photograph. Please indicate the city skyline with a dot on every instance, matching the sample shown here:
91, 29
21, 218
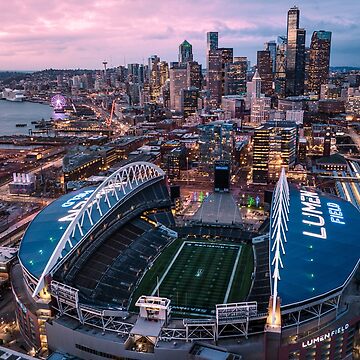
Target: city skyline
38, 35
181, 180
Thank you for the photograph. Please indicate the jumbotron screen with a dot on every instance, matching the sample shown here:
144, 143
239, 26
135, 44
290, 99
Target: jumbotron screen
222, 178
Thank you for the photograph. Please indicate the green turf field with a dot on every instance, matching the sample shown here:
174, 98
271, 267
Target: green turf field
165, 264
200, 276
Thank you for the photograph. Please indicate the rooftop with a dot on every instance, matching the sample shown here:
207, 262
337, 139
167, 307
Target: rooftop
186, 43
7, 254
278, 124
72, 161
47, 228
332, 159
322, 248
62, 225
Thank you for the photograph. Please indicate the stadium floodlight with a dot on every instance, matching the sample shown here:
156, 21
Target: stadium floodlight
279, 218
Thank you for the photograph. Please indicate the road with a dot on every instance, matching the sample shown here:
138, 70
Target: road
55, 163
5, 239
355, 137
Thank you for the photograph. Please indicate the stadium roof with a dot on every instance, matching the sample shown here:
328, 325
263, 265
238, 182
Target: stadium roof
62, 225
45, 231
322, 247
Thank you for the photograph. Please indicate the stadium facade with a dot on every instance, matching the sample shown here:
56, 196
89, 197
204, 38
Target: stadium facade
85, 259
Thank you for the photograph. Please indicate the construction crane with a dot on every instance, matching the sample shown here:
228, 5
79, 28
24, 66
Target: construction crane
108, 121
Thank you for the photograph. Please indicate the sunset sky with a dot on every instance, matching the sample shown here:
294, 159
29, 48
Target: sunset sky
37, 34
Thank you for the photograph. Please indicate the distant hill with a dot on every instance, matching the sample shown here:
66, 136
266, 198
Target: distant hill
344, 68
13, 75
6, 77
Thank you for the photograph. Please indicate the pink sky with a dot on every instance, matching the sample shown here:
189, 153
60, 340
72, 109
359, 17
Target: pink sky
38, 34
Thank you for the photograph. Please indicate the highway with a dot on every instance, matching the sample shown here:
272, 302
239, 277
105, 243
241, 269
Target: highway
10, 235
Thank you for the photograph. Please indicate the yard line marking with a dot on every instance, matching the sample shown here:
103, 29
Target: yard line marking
232, 276
168, 269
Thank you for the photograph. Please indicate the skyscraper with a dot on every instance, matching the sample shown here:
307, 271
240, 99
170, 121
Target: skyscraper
280, 71
274, 148
319, 61
260, 105
271, 46
134, 73
154, 77
295, 54
264, 66
213, 67
300, 62
235, 76
134, 93
164, 72
213, 77
193, 74
165, 94
185, 52
218, 59
212, 40
256, 85
292, 26
227, 57
189, 101
178, 77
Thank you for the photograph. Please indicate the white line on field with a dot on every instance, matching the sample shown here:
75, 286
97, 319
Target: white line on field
232, 276
168, 269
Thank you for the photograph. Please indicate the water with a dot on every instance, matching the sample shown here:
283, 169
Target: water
18, 147
12, 113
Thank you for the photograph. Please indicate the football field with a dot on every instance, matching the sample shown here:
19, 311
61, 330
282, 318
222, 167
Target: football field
199, 276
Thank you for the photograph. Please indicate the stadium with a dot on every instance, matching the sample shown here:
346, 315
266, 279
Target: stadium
104, 272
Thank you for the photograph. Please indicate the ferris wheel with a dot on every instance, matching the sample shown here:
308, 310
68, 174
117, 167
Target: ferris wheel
58, 102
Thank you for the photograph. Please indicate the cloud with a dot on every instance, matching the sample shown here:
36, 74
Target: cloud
37, 34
